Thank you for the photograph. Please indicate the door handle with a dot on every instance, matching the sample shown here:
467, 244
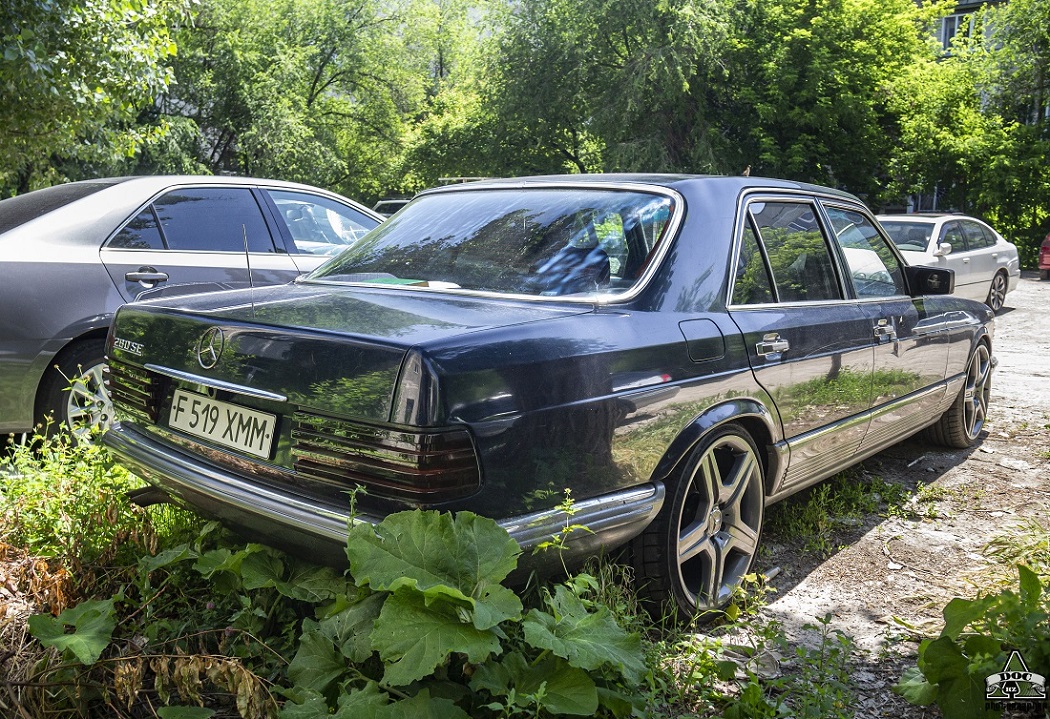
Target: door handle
147, 276
885, 331
771, 344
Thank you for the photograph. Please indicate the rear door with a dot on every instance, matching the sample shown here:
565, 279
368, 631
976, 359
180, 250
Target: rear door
200, 237
809, 345
984, 256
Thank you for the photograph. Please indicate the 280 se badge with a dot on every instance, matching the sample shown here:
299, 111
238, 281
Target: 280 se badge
678, 351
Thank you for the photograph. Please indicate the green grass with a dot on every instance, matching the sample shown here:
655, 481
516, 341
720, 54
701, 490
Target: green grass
180, 621
821, 518
67, 501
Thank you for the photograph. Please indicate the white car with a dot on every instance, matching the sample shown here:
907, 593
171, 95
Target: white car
986, 265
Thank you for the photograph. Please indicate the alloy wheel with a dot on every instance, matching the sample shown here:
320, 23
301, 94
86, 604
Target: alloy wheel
997, 293
88, 404
977, 391
719, 523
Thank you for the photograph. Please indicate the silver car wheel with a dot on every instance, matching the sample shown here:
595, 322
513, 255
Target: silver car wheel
977, 391
88, 404
719, 522
997, 293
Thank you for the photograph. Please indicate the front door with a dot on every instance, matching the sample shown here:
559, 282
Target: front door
911, 351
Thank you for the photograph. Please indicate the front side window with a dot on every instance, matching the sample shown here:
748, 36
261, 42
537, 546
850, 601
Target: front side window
870, 262
542, 242
801, 263
953, 235
318, 225
215, 219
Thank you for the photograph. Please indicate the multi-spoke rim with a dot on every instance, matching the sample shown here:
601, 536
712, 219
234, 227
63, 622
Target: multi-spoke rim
976, 392
997, 294
719, 522
88, 404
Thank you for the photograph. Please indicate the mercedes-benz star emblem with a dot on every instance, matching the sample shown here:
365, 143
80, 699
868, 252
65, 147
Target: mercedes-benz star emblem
210, 347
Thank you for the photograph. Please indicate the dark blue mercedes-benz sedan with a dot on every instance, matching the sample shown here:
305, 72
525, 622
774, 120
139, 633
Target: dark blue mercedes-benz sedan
677, 351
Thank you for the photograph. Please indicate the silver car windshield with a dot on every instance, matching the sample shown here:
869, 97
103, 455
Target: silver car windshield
909, 236
538, 242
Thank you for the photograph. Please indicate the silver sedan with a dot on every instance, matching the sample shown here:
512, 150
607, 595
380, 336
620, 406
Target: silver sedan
986, 265
70, 255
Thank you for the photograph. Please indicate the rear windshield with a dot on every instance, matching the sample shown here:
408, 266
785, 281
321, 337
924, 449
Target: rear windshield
909, 236
20, 209
540, 242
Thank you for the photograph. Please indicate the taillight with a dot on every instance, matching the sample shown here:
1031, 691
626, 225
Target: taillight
419, 466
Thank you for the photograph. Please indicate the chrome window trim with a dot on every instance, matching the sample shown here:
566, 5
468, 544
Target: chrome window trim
669, 236
880, 231
770, 194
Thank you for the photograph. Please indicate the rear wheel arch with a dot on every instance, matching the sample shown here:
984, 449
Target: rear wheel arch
750, 414
56, 377
696, 552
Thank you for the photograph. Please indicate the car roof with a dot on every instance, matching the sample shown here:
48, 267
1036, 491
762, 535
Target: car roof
683, 182
99, 201
927, 217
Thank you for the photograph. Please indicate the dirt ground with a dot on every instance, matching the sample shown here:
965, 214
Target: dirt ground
896, 569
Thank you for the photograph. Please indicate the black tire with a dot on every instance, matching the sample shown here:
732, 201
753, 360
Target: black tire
1044, 274
997, 292
961, 423
72, 393
695, 554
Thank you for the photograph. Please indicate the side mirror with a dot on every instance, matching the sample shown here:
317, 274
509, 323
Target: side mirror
930, 280
944, 248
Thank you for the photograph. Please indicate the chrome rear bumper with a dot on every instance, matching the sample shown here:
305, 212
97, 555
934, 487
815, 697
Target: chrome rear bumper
317, 531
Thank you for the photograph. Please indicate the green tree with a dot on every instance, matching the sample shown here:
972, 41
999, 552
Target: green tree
74, 75
1015, 185
317, 91
451, 135
808, 86
946, 138
611, 85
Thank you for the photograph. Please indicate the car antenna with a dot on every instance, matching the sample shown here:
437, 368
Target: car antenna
248, 262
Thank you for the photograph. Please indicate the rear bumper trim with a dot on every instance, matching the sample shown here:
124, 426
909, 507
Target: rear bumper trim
284, 518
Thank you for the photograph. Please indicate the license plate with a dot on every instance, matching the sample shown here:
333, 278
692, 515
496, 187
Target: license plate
223, 423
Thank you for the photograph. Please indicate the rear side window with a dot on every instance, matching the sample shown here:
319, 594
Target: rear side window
216, 219
976, 236
798, 255
142, 233
752, 284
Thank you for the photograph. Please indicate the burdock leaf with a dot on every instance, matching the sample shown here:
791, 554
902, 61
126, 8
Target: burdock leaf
458, 560
92, 622
585, 639
415, 639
